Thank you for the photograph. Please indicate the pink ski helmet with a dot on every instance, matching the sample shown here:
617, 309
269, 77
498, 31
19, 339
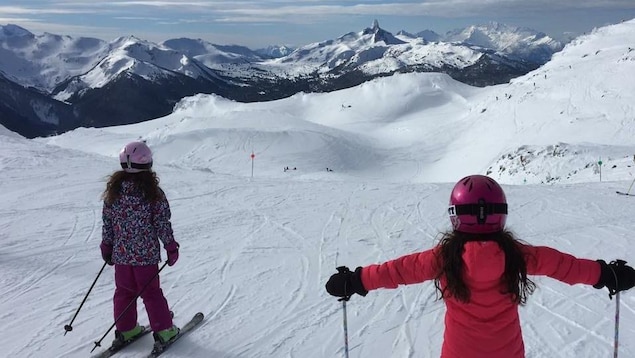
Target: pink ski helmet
135, 157
477, 205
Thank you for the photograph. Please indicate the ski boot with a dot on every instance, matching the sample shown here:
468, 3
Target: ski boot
122, 337
166, 335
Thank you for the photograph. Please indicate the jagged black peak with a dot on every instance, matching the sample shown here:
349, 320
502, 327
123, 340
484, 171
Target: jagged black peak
380, 34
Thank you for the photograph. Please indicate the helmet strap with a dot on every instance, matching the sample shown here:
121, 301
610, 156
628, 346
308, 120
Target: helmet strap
138, 166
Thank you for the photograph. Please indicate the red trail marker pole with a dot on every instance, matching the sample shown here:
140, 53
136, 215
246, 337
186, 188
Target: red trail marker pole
252, 163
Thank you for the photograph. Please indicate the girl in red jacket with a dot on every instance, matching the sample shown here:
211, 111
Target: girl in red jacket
482, 273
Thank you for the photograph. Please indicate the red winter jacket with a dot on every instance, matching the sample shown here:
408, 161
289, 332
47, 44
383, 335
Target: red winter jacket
488, 326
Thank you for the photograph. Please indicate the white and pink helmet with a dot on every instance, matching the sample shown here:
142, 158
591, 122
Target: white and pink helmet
135, 157
478, 205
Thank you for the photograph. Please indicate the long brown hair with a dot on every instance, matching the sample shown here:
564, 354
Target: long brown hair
451, 266
147, 181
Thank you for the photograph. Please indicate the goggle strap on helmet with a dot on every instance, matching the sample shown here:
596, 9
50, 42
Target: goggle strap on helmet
480, 210
130, 165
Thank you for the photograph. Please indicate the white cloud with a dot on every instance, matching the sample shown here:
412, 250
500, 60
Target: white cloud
261, 10
20, 10
204, 18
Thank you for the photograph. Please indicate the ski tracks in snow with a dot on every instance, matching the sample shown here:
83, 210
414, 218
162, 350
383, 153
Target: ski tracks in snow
387, 232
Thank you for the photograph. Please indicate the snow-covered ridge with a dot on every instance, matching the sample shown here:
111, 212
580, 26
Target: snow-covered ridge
374, 50
131, 55
518, 41
565, 163
45, 61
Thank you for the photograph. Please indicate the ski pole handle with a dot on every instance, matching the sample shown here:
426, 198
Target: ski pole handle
346, 270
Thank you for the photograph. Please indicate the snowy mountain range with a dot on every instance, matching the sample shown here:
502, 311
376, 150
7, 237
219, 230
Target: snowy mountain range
517, 42
145, 79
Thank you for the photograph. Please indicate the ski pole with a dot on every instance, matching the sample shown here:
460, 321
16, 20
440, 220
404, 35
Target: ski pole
345, 328
69, 327
629, 188
344, 269
616, 293
617, 325
98, 343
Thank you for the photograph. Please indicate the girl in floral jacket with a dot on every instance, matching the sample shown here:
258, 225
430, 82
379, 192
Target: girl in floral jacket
481, 272
136, 219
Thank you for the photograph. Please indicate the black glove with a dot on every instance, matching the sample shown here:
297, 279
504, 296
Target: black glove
345, 283
616, 276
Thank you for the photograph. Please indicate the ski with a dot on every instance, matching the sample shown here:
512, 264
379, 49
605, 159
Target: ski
112, 350
623, 193
159, 348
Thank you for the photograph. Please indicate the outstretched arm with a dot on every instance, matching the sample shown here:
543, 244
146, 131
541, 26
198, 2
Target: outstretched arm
615, 276
413, 268
409, 269
546, 261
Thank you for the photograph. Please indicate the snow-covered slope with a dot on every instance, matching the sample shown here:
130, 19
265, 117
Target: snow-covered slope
582, 99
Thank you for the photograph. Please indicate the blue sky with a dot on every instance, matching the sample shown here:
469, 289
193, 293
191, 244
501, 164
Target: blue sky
259, 23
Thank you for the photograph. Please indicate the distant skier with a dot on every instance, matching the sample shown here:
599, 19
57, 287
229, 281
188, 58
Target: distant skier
480, 270
136, 216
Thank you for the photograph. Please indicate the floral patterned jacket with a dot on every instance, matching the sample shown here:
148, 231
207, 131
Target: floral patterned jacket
133, 227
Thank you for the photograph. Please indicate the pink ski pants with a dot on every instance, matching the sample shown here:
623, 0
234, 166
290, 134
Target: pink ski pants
129, 281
